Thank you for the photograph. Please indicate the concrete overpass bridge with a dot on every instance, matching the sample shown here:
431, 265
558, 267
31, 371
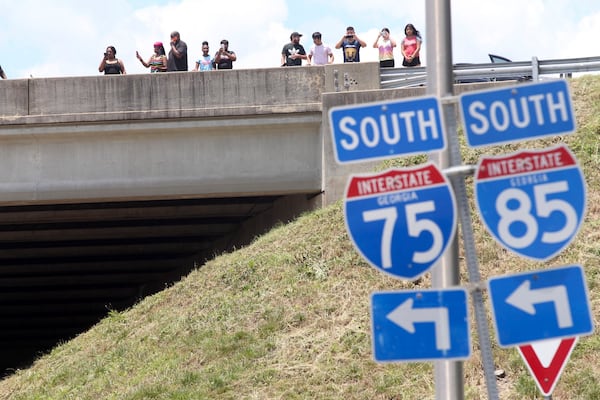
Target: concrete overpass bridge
112, 187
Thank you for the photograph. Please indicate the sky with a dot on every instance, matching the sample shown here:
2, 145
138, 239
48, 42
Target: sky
60, 38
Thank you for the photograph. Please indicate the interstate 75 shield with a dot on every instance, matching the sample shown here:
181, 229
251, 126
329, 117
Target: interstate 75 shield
532, 202
401, 220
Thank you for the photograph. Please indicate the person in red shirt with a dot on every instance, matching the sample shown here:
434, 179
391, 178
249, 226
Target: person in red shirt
411, 46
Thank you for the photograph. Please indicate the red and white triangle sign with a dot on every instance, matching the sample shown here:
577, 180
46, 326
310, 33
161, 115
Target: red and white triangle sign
546, 360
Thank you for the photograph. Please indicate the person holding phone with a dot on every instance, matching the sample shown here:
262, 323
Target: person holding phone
111, 65
157, 61
385, 43
224, 58
178, 60
350, 44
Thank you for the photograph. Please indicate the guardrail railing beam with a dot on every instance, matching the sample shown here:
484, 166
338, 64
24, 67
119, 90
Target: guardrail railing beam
518, 70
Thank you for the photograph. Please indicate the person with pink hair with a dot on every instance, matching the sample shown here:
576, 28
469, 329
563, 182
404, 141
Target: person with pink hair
157, 61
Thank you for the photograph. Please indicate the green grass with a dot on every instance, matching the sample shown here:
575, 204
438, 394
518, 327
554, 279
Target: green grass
287, 317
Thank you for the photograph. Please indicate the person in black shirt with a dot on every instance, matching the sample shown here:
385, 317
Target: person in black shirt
111, 65
293, 53
350, 45
2, 74
224, 58
178, 54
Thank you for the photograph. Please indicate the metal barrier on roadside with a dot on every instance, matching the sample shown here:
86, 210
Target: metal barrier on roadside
489, 72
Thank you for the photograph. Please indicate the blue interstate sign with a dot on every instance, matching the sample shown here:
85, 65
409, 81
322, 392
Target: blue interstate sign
540, 305
532, 202
401, 220
420, 325
517, 113
386, 129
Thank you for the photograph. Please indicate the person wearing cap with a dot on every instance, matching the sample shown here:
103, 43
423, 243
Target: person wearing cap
224, 58
350, 45
319, 54
157, 61
293, 53
178, 59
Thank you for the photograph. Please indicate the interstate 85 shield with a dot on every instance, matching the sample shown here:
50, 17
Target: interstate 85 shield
401, 220
532, 202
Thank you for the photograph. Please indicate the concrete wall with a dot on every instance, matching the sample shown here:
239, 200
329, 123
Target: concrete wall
177, 95
238, 132
242, 131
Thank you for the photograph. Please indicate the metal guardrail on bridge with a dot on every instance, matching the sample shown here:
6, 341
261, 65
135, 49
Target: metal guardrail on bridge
489, 72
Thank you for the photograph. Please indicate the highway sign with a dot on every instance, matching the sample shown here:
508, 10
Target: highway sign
517, 113
546, 360
386, 129
401, 220
540, 305
532, 202
420, 325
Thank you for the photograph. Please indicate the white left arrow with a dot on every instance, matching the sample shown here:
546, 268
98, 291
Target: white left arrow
405, 317
525, 299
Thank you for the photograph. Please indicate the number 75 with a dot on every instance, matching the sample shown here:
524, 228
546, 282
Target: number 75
415, 227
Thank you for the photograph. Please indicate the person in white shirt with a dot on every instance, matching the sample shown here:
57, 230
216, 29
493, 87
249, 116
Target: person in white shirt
320, 54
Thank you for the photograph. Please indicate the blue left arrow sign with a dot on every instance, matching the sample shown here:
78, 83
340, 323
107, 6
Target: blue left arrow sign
540, 305
420, 325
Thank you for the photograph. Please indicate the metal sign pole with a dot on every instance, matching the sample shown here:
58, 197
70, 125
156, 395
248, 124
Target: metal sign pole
448, 375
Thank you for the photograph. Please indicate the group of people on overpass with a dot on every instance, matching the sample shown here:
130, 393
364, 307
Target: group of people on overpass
176, 60
292, 54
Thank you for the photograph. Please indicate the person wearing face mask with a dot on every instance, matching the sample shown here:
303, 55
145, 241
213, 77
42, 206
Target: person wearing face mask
385, 43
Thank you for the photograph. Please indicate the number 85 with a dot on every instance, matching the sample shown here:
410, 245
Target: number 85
522, 213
